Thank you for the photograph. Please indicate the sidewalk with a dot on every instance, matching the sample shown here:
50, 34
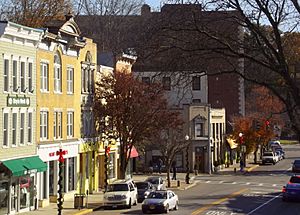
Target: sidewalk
235, 168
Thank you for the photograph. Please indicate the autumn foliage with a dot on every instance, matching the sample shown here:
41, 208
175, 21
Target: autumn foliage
257, 127
137, 111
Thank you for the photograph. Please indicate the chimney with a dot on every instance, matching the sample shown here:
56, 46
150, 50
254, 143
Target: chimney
145, 10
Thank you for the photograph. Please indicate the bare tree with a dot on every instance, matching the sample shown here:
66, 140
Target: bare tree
34, 13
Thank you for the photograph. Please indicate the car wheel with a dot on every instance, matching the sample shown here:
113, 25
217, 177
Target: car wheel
129, 205
176, 206
274, 162
167, 209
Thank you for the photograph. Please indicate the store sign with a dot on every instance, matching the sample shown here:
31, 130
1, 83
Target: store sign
30, 171
16, 101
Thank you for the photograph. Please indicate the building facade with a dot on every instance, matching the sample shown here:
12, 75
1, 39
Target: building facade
19, 163
59, 107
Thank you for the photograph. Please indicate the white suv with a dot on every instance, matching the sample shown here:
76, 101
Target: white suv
120, 193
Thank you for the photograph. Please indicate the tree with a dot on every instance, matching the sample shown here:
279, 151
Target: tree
137, 111
266, 111
34, 13
268, 24
170, 141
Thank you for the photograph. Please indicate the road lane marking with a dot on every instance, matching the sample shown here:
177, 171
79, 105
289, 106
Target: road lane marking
267, 202
207, 182
202, 209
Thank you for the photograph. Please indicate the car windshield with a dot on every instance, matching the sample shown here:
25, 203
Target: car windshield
117, 187
142, 186
268, 154
153, 180
297, 162
295, 179
156, 195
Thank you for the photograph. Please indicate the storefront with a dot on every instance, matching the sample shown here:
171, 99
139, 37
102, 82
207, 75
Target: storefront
18, 191
48, 181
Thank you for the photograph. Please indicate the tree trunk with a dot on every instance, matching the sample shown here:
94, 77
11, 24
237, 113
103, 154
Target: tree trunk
168, 175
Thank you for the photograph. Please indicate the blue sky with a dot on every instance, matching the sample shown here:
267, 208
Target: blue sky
153, 3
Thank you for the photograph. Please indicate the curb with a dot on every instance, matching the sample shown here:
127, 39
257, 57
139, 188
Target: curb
85, 211
252, 168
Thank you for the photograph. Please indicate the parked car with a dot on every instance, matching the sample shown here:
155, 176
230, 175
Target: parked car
120, 193
296, 166
279, 155
291, 191
160, 201
157, 182
143, 189
269, 157
281, 152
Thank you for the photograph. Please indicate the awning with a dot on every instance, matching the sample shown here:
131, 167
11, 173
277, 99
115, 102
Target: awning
24, 166
133, 153
232, 143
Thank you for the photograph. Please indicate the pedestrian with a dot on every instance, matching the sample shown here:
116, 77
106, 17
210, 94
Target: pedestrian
241, 165
159, 165
174, 170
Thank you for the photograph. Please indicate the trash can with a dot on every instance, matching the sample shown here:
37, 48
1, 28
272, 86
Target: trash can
79, 200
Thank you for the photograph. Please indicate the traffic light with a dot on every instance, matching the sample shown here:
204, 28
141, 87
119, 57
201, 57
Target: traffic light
256, 125
267, 124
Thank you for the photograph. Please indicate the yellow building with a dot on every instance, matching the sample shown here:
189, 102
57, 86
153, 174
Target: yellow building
88, 181
58, 91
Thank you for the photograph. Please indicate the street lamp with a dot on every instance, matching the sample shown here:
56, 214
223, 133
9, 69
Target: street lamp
241, 139
187, 177
106, 153
61, 160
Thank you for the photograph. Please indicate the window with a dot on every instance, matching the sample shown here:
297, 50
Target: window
146, 80
29, 128
70, 127
166, 82
22, 128
196, 83
30, 80
70, 80
14, 129
199, 130
44, 77
72, 174
22, 77
43, 125
57, 125
14, 76
57, 74
6, 75
5, 129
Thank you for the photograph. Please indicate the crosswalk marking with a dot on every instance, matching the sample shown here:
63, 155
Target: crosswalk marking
240, 183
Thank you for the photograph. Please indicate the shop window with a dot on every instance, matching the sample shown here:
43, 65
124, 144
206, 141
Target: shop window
51, 177
111, 165
71, 178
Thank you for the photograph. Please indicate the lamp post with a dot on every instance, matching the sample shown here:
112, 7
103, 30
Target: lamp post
106, 151
187, 177
241, 140
61, 160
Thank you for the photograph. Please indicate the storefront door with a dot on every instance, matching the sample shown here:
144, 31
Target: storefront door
14, 196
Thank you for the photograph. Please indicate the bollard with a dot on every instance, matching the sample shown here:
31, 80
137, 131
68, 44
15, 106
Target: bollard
234, 170
178, 183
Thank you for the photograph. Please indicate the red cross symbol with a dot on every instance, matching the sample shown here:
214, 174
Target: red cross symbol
60, 153
107, 150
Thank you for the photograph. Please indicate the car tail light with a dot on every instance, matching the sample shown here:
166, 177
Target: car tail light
284, 189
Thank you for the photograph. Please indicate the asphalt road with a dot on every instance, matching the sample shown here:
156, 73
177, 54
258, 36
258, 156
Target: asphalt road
254, 193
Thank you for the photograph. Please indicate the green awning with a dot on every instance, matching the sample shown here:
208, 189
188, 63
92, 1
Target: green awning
24, 166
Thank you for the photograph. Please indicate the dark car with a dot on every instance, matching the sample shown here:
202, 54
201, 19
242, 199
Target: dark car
292, 190
144, 188
296, 166
157, 182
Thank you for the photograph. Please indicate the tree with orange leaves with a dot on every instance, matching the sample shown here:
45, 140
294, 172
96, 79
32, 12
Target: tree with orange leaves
263, 109
137, 111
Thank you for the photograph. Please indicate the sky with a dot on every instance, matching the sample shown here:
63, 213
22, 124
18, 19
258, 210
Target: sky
153, 3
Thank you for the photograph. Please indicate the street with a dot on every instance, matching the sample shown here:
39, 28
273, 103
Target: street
226, 193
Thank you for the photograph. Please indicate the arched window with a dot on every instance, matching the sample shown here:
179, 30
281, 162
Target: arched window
57, 74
